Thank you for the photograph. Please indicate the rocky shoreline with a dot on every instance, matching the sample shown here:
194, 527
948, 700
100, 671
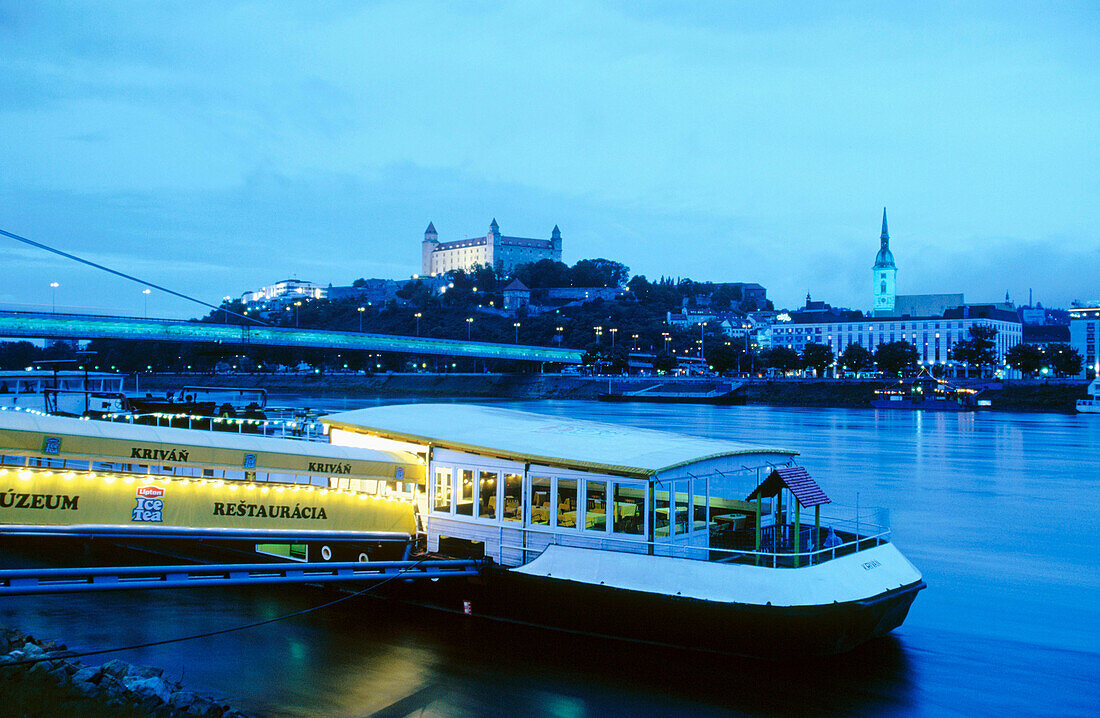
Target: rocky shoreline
34, 683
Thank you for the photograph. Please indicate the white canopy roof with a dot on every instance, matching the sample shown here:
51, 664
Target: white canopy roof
536, 438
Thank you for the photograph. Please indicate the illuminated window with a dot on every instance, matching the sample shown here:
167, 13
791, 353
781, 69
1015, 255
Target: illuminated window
464, 488
540, 500
513, 493
487, 495
629, 516
595, 505
567, 503
442, 502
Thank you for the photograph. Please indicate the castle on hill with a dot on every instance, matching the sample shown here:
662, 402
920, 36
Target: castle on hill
500, 252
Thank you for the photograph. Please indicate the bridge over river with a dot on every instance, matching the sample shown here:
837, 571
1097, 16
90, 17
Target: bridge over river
41, 325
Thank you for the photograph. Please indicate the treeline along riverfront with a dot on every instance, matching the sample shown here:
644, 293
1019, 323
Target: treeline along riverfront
1027, 396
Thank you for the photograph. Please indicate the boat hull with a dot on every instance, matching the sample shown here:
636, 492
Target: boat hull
772, 632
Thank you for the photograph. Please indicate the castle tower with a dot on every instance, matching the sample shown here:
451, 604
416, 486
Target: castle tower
555, 244
494, 255
885, 275
429, 245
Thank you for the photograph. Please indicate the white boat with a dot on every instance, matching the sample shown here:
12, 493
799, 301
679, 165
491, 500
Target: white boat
1092, 404
62, 392
642, 534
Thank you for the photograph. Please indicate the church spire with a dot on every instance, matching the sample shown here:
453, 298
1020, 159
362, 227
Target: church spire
885, 232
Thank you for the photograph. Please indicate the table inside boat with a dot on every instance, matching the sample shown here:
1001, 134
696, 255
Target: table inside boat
730, 522
593, 517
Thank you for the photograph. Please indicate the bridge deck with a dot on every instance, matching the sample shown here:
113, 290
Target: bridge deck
80, 326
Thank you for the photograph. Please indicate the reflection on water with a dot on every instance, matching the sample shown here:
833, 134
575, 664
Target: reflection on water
998, 511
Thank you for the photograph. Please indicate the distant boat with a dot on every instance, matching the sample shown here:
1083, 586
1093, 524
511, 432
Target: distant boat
1092, 404
927, 393
69, 392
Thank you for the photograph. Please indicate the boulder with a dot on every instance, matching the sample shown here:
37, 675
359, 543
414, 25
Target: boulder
91, 674
112, 686
33, 650
145, 672
86, 688
145, 687
116, 668
182, 700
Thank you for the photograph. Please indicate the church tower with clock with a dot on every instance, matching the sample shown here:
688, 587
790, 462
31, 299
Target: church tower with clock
885, 275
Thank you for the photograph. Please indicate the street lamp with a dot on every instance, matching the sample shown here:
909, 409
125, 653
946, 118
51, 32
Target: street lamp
702, 325
599, 333
635, 338
296, 305
53, 296
668, 339
469, 326
361, 310
418, 315
560, 335
146, 292
612, 330
516, 325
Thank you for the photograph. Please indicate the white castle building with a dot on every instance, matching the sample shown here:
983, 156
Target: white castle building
494, 249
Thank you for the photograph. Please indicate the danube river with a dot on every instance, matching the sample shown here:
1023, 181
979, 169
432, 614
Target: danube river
1001, 512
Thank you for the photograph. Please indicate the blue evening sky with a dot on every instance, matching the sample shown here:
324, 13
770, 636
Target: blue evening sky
215, 146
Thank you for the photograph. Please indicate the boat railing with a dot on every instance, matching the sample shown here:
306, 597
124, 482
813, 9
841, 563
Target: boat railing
535, 541
296, 427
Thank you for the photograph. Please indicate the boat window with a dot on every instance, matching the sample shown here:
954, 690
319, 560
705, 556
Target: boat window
443, 490
682, 499
699, 503
513, 497
487, 495
540, 500
595, 505
567, 503
464, 488
629, 503
661, 506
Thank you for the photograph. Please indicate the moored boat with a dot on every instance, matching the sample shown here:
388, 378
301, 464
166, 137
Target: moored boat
927, 393
642, 534
1092, 404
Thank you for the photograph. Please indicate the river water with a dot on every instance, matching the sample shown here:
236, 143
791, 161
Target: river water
1001, 512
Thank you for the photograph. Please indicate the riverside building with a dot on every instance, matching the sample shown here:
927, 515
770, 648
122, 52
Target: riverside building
1084, 321
933, 323
500, 252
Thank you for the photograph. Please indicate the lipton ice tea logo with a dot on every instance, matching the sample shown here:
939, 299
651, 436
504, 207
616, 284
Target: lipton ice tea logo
150, 504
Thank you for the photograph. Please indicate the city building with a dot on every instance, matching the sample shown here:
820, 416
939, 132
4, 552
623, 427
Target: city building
1084, 321
500, 252
516, 295
933, 336
369, 291
288, 290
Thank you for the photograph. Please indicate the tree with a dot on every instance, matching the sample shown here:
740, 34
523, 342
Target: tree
598, 273
542, 274
894, 357
1064, 360
979, 350
722, 357
1026, 358
781, 358
856, 358
817, 357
